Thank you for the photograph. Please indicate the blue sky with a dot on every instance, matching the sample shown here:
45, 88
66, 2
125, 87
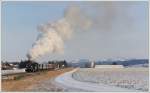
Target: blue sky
127, 37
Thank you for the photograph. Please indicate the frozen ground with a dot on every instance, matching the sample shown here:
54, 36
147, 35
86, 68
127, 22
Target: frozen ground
85, 82
45, 86
135, 79
6, 72
97, 79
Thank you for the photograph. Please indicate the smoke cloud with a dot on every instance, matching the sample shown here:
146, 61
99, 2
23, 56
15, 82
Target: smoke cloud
53, 35
99, 16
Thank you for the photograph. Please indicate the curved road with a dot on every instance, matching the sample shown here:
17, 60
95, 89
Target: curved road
66, 80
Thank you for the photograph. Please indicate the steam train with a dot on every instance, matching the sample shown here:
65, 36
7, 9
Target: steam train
51, 65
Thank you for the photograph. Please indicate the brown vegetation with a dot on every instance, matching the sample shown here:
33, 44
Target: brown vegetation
31, 80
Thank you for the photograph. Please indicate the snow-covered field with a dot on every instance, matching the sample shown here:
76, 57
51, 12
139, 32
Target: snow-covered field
128, 78
15, 71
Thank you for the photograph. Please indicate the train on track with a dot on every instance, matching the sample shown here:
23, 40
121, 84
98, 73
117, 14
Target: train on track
34, 66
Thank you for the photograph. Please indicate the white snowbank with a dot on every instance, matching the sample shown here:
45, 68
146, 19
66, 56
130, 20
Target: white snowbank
67, 81
109, 66
6, 72
129, 78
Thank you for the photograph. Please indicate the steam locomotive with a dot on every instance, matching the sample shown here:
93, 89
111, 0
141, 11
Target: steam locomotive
51, 65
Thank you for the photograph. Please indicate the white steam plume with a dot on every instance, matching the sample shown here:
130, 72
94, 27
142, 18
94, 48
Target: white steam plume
99, 16
53, 35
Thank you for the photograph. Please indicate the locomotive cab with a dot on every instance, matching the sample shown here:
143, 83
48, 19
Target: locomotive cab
32, 67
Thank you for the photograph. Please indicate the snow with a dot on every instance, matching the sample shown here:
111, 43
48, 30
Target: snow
127, 78
146, 65
67, 80
6, 72
109, 66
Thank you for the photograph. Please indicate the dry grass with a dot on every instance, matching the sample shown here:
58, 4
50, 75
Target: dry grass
31, 80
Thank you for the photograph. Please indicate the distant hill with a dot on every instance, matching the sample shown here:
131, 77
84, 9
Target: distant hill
127, 63
130, 62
